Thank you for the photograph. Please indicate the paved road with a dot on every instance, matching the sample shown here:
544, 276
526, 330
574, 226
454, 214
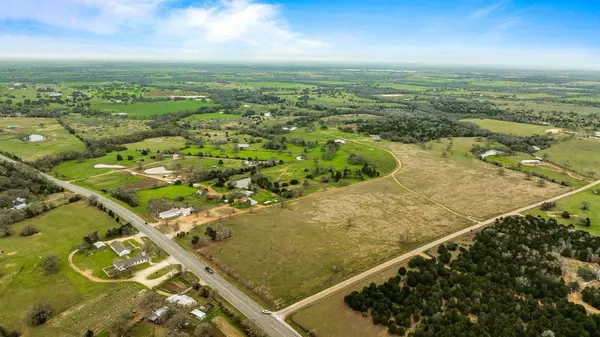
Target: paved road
273, 325
353, 280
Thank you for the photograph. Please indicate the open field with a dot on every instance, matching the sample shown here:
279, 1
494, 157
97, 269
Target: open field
464, 183
109, 181
517, 129
98, 127
200, 117
149, 109
294, 249
573, 205
577, 154
23, 284
77, 169
57, 138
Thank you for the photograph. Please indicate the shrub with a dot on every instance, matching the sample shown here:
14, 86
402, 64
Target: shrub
566, 215
586, 274
29, 230
38, 314
50, 264
75, 198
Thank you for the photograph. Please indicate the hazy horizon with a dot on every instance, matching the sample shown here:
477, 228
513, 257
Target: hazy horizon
520, 34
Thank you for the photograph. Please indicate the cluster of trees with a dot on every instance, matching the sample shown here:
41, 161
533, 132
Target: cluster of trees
123, 230
409, 128
126, 194
218, 233
509, 281
591, 295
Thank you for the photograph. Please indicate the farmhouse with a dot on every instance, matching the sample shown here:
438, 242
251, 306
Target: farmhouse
243, 146
597, 134
122, 265
121, 114
376, 137
100, 245
535, 148
173, 212
530, 162
158, 314
289, 129
252, 202
181, 300
176, 156
340, 141
119, 248
54, 94
199, 314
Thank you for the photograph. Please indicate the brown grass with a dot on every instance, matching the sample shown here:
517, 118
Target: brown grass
287, 254
466, 184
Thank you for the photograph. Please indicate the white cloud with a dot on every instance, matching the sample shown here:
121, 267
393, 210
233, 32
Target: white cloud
483, 12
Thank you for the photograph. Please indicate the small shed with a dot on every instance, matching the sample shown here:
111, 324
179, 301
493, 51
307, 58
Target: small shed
199, 314
100, 245
158, 314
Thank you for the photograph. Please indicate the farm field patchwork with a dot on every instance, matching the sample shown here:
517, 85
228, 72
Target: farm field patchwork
56, 137
295, 248
23, 283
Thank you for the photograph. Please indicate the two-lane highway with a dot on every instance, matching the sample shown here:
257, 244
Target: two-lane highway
273, 325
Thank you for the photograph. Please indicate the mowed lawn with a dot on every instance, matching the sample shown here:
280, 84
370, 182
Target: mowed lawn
149, 109
577, 154
23, 283
573, 205
286, 254
517, 129
464, 183
78, 169
57, 138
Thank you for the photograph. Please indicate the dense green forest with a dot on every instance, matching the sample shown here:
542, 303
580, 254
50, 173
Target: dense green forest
509, 283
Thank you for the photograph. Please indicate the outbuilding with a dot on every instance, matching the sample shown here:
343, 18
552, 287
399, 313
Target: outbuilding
181, 300
199, 314
119, 248
100, 245
122, 265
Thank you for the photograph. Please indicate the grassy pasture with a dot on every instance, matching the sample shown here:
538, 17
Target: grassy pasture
57, 138
99, 127
293, 249
149, 109
517, 129
114, 180
572, 204
216, 115
23, 284
577, 154
551, 172
464, 183
78, 169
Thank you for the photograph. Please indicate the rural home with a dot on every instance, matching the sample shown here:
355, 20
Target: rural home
289, 129
173, 212
54, 94
530, 162
158, 314
100, 245
491, 153
252, 202
535, 148
119, 248
199, 314
181, 300
243, 146
340, 141
597, 134
376, 137
122, 265
176, 156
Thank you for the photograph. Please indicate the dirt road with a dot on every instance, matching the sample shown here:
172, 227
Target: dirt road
340, 286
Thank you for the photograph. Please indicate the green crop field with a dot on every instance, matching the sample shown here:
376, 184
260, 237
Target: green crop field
579, 155
517, 129
149, 109
23, 283
57, 138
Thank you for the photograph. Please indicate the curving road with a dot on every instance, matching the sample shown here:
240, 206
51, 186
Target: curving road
273, 325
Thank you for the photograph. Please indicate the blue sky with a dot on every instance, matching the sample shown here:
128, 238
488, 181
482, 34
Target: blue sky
545, 33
